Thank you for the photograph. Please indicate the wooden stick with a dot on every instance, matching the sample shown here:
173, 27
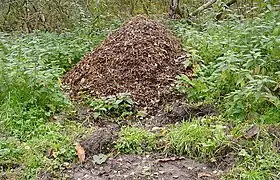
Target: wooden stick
204, 6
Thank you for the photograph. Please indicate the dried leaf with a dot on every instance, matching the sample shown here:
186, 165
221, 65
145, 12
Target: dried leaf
81, 153
51, 153
257, 70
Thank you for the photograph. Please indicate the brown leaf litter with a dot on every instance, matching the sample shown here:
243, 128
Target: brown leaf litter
141, 58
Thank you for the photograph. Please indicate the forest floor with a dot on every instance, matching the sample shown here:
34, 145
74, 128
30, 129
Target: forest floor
216, 117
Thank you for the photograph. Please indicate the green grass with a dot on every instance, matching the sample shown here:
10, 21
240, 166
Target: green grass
31, 156
206, 140
197, 139
136, 140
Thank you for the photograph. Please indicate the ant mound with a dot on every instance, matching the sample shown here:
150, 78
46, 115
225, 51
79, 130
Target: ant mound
141, 58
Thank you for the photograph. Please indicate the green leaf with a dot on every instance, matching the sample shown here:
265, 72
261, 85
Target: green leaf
187, 63
118, 101
96, 115
99, 159
243, 152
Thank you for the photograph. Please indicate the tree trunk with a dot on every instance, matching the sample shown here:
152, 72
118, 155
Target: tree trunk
175, 9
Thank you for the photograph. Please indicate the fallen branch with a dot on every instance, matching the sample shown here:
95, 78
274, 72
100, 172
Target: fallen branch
231, 2
201, 8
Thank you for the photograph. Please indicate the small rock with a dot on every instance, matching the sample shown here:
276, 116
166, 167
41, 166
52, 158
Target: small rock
156, 129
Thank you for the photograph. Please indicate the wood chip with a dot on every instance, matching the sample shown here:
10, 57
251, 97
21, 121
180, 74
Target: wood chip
204, 174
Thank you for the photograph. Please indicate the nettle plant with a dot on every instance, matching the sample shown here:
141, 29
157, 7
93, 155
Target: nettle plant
236, 66
120, 106
30, 92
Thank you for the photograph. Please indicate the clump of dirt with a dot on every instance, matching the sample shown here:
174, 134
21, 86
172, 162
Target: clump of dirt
10, 170
141, 58
226, 161
144, 167
101, 141
274, 131
44, 175
177, 112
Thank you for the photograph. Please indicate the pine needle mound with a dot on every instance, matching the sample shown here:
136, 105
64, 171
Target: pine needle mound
141, 58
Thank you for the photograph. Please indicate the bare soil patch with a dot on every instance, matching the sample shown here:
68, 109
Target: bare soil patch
144, 167
177, 112
101, 141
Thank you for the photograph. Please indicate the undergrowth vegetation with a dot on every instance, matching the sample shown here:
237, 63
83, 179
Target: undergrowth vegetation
119, 107
30, 94
256, 160
236, 66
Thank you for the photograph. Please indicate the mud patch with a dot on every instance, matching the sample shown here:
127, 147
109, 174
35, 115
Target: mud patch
226, 161
177, 112
144, 167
